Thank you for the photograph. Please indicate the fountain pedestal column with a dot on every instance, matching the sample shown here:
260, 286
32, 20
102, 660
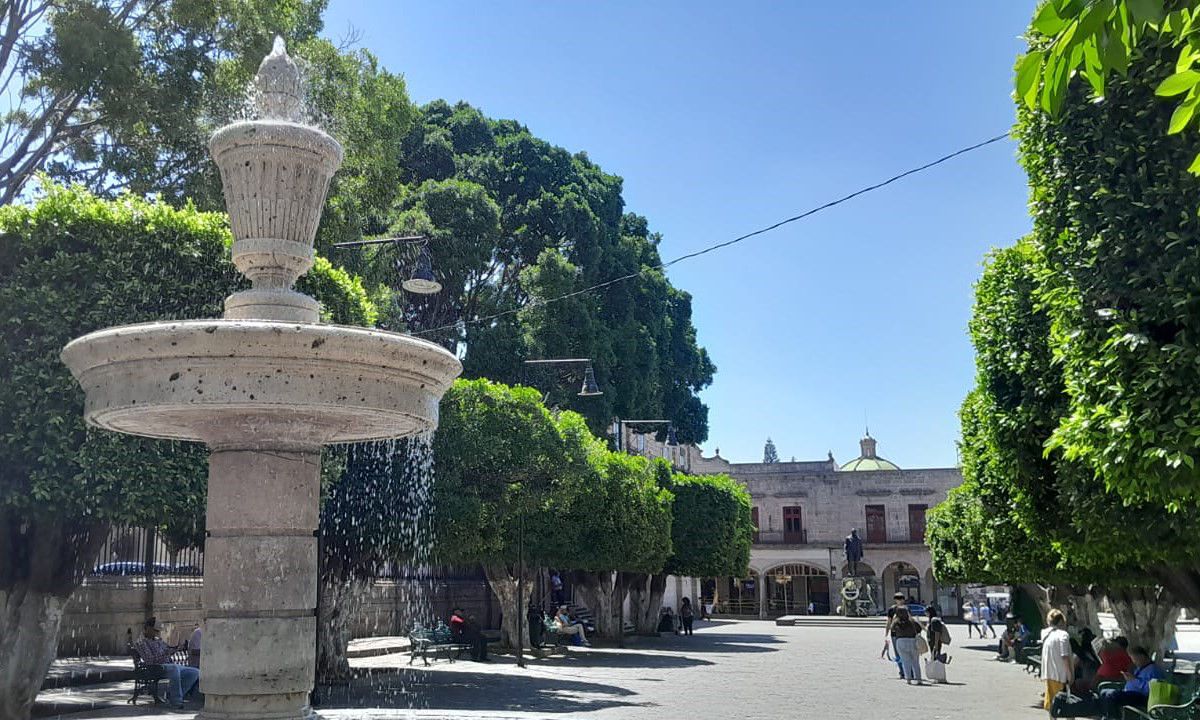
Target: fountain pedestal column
260, 592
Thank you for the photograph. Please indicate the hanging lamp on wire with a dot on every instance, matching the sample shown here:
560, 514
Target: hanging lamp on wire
590, 388
422, 281
672, 439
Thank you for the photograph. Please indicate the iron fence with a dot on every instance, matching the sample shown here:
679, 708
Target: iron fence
137, 555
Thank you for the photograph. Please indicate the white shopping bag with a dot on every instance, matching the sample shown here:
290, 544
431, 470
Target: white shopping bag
935, 670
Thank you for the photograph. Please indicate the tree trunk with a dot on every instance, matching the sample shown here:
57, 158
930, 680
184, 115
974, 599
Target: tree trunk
1183, 584
644, 603
1041, 596
504, 584
604, 611
42, 559
29, 623
1146, 616
1080, 604
339, 604
658, 589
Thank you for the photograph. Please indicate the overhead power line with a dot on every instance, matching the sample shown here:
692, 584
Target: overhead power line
727, 243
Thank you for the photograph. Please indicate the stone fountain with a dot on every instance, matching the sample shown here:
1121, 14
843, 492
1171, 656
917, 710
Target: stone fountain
265, 387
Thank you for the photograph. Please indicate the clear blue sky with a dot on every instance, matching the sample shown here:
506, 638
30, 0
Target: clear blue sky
724, 117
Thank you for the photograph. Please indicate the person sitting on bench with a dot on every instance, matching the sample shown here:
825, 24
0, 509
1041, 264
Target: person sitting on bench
1137, 684
567, 626
466, 631
181, 679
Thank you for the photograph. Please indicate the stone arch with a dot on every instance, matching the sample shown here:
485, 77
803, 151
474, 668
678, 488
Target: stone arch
796, 588
903, 576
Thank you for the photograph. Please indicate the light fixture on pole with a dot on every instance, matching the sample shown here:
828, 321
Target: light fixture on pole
589, 388
672, 439
422, 281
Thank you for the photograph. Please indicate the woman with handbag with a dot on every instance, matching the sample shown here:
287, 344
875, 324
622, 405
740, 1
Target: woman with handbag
906, 636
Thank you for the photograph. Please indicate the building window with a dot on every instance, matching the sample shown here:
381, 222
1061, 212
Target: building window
916, 523
793, 525
754, 522
876, 524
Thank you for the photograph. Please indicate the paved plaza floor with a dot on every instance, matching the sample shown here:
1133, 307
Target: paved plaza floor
742, 669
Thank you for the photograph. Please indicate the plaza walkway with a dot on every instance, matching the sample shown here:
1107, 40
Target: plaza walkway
743, 669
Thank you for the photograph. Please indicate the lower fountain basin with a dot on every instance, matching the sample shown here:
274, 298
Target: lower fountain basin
246, 383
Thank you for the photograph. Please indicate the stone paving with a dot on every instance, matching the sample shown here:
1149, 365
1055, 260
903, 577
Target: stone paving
743, 669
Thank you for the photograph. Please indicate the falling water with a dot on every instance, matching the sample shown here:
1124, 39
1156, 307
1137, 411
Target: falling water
377, 522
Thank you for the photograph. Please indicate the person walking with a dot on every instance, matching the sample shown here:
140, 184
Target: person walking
970, 618
686, 615
985, 620
1058, 667
898, 601
904, 639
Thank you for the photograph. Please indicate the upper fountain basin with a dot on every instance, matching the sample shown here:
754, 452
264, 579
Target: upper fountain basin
251, 383
275, 175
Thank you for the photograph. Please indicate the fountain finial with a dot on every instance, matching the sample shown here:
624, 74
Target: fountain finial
280, 95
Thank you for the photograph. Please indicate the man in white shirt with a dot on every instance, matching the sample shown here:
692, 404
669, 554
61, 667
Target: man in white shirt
1058, 666
985, 620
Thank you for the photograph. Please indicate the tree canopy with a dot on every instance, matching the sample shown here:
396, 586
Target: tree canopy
1079, 440
515, 222
710, 526
1099, 38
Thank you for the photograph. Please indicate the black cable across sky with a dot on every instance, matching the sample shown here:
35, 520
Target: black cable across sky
727, 243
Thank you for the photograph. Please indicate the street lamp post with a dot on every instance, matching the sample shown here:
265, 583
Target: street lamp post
589, 389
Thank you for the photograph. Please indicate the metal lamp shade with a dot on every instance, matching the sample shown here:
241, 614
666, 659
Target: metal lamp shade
422, 281
590, 388
672, 440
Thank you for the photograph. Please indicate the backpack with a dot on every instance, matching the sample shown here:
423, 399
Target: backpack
944, 632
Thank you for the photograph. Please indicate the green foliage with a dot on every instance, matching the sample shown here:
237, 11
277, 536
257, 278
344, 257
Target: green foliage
503, 459
513, 219
367, 109
499, 456
620, 519
1115, 218
1077, 438
710, 526
71, 264
117, 95
1098, 38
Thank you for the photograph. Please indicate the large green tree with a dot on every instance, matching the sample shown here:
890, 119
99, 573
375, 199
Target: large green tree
71, 264
512, 476
505, 471
515, 222
710, 537
122, 95
118, 94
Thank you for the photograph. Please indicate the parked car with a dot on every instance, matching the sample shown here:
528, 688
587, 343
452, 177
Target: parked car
916, 609
130, 567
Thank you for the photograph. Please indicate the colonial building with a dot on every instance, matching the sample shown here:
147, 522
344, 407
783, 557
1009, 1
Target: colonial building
803, 512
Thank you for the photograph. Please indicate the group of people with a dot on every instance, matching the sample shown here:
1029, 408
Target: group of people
1074, 669
909, 640
182, 679
682, 623
978, 619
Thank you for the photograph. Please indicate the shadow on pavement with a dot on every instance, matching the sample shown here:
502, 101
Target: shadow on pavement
626, 658
731, 643
467, 690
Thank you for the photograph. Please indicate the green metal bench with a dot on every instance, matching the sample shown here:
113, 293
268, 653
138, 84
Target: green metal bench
1188, 707
438, 641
